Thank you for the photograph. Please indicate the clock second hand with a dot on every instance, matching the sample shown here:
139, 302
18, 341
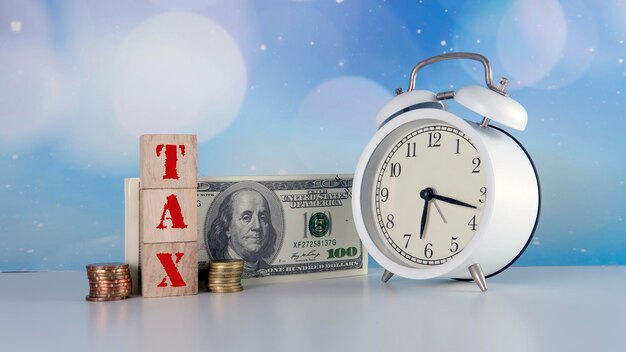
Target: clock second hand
440, 213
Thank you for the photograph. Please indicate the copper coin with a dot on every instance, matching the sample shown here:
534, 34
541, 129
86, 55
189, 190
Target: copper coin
110, 289
117, 270
106, 266
108, 272
119, 277
110, 281
108, 294
100, 287
100, 299
105, 276
121, 285
115, 284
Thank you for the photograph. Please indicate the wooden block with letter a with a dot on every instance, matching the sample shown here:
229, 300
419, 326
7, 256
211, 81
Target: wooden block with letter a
168, 215
169, 269
168, 218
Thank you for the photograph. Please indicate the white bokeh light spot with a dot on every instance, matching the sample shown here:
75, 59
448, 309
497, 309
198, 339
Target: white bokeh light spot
178, 73
325, 122
34, 87
540, 35
16, 26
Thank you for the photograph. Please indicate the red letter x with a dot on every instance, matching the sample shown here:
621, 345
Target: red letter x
171, 270
171, 159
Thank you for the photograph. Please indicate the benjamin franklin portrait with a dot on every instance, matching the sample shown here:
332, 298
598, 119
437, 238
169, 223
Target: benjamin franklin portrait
246, 222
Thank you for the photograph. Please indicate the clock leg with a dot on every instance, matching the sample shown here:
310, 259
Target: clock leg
386, 276
479, 277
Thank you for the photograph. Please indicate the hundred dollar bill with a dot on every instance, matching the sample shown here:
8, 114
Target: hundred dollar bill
285, 228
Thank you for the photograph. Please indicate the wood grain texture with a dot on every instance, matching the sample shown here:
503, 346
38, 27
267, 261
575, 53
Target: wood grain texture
168, 161
168, 215
169, 269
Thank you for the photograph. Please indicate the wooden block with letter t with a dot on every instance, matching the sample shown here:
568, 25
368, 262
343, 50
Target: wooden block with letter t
169, 269
168, 161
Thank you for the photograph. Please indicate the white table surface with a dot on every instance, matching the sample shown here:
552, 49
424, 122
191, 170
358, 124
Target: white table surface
525, 309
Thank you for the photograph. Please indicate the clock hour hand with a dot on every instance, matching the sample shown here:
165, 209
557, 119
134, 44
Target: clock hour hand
451, 201
423, 222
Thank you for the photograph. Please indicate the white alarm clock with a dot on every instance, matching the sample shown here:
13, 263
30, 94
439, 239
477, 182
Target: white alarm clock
435, 195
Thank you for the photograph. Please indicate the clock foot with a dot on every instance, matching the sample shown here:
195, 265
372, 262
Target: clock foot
386, 276
479, 277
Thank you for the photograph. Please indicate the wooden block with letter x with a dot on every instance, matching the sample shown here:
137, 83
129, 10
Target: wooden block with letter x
168, 161
169, 269
168, 215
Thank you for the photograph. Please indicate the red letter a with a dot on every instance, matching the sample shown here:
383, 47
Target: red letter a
176, 216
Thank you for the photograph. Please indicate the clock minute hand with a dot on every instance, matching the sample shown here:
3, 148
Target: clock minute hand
452, 201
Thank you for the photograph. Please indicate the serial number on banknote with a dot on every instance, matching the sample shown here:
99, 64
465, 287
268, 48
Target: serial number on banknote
315, 243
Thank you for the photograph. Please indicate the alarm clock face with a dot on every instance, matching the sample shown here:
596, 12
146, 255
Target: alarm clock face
426, 189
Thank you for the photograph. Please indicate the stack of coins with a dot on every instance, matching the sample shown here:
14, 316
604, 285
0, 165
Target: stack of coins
225, 275
108, 282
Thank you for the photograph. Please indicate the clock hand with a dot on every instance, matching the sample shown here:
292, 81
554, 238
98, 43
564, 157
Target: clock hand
451, 201
426, 194
423, 222
440, 213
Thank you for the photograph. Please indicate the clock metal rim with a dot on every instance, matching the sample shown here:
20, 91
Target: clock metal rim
386, 260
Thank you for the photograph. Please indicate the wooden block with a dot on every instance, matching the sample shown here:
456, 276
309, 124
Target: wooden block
169, 269
168, 215
168, 161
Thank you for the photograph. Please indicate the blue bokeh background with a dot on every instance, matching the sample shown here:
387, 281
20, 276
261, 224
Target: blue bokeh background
291, 87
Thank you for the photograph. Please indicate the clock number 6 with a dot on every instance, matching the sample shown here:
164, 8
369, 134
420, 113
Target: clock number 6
428, 250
